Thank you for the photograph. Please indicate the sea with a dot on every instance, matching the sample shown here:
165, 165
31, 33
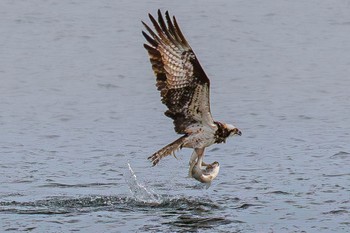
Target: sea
80, 114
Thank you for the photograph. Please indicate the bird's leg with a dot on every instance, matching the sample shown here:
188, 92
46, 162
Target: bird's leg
200, 161
195, 157
192, 162
200, 155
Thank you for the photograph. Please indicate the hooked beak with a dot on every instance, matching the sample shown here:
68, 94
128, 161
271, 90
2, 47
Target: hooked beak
236, 131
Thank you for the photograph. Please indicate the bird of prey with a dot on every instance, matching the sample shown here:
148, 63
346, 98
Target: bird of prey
184, 89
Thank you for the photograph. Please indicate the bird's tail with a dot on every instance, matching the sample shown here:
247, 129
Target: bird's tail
168, 150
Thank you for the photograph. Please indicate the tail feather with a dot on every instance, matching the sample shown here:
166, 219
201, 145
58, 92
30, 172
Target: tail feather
167, 150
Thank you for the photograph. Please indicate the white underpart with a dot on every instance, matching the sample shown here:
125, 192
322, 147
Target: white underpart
200, 136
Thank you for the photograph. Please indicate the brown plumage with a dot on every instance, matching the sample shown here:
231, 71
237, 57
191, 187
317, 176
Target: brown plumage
179, 74
184, 89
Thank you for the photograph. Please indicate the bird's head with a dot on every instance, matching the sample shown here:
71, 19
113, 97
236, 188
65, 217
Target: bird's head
233, 130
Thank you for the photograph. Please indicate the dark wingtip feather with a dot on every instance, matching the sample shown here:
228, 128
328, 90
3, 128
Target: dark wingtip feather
159, 13
179, 32
144, 24
155, 37
151, 18
149, 39
146, 46
171, 26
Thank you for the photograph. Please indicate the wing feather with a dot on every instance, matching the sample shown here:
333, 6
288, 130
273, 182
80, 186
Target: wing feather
183, 84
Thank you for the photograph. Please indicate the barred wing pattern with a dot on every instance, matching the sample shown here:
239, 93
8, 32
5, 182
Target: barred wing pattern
183, 84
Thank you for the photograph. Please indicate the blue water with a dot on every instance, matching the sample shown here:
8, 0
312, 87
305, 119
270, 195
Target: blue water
80, 114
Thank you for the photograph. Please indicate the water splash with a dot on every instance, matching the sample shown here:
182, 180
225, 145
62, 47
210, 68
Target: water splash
139, 191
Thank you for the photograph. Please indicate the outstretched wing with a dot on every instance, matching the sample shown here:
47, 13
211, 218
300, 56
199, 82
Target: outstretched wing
183, 84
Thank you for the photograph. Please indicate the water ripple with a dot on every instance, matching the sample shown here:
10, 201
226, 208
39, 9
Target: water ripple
61, 185
59, 205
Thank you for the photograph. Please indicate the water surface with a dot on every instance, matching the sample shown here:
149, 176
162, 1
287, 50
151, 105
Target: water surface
80, 114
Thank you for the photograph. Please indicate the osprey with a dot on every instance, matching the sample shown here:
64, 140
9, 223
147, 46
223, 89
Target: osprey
184, 89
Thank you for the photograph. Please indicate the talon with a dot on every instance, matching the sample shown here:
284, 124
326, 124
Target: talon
192, 164
174, 155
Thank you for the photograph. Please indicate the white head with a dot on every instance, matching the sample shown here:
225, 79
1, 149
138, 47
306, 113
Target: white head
233, 130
